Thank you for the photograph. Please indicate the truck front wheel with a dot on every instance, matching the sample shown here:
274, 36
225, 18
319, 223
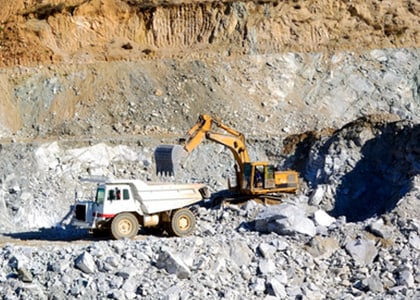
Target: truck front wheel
124, 225
182, 222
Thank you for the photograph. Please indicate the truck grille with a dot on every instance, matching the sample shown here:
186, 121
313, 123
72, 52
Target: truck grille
81, 212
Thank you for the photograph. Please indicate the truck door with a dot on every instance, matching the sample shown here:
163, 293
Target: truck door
119, 199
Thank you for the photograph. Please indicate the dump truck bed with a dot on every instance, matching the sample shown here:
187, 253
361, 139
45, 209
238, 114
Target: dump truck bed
158, 197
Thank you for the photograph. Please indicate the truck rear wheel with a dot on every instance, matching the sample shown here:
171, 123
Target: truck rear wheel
124, 225
182, 222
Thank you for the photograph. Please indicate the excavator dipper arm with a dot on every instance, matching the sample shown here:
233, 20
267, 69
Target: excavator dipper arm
167, 157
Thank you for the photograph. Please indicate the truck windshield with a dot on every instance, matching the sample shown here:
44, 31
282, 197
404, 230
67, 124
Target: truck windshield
100, 195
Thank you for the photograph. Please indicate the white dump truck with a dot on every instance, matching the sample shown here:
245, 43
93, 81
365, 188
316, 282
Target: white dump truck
120, 207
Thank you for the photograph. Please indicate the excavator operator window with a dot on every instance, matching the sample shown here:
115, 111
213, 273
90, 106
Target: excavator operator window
269, 181
258, 179
247, 176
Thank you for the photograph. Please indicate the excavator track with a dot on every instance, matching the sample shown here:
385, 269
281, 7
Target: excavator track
240, 199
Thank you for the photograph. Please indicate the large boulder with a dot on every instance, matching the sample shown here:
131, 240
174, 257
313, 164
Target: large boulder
284, 219
172, 263
362, 251
85, 263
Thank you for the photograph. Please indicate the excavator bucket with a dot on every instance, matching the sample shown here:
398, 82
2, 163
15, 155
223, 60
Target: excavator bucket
167, 158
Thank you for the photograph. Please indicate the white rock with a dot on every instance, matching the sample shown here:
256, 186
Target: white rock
85, 263
379, 55
130, 285
266, 266
362, 251
379, 229
323, 219
374, 284
276, 288
317, 196
266, 250
280, 244
405, 277
47, 156
284, 219
172, 264
414, 240
258, 285
240, 253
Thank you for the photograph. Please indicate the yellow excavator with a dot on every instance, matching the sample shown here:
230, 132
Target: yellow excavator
256, 179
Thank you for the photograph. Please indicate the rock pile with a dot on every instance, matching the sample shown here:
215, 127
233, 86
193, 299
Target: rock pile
227, 258
363, 169
45, 178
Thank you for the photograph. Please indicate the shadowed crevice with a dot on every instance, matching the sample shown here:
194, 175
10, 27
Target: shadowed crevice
382, 177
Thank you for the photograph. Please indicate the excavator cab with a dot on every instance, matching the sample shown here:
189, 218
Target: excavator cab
257, 177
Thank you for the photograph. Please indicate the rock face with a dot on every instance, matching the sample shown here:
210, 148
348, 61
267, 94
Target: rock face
364, 178
80, 31
90, 88
165, 97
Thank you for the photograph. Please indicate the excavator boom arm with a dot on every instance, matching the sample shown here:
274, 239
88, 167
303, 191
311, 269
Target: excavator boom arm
236, 145
167, 156
235, 141
197, 133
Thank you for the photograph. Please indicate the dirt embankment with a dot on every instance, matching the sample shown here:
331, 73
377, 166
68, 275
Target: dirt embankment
180, 54
81, 31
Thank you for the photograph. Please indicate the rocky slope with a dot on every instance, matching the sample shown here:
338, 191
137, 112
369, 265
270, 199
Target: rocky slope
330, 89
258, 95
206, 52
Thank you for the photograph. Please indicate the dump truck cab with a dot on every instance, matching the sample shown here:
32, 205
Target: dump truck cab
112, 199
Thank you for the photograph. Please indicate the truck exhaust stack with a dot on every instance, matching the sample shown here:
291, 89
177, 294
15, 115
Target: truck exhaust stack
167, 158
